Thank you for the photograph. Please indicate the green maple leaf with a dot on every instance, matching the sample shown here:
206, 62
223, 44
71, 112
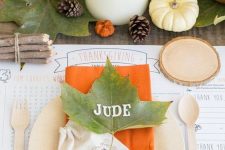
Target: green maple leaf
41, 16
111, 89
211, 12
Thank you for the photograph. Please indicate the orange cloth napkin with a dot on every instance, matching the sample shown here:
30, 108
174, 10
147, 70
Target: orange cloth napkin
82, 79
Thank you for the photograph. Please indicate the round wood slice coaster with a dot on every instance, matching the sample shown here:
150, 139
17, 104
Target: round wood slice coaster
189, 61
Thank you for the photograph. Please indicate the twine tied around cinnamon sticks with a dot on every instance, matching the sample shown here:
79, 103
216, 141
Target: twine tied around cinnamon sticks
26, 48
17, 48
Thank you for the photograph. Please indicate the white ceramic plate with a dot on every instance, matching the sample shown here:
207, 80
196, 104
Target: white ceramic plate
45, 132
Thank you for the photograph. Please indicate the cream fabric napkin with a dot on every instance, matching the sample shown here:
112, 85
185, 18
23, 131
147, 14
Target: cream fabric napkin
75, 137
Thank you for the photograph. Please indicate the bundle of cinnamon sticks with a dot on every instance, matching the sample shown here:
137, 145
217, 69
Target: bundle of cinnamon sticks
33, 48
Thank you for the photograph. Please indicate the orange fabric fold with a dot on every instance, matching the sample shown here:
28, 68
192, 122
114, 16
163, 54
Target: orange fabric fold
82, 79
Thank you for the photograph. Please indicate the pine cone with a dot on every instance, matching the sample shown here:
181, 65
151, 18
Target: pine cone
139, 28
70, 8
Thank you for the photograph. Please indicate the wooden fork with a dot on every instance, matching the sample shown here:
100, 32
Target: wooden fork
19, 122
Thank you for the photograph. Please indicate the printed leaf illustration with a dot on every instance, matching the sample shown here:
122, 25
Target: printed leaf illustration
40, 16
114, 92
211, 12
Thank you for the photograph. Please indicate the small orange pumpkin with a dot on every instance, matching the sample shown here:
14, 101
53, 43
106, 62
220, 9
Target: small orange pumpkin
104, 28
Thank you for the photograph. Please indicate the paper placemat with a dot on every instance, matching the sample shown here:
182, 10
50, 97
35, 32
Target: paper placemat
39, 84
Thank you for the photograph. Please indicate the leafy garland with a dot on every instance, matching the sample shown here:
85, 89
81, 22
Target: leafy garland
211, 12
41, 16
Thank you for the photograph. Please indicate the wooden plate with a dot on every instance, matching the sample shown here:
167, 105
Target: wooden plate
189, 61
168, 136
45, 132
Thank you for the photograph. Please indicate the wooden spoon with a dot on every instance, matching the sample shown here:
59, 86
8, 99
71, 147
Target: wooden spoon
188, 110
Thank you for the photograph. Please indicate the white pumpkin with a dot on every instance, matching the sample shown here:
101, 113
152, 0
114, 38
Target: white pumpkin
174, 15
118, 11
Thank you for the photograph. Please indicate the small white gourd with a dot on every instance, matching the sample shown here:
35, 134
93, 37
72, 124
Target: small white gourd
174, 15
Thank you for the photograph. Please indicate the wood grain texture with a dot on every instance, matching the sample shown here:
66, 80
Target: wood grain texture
7, 28
174, 64
214, 34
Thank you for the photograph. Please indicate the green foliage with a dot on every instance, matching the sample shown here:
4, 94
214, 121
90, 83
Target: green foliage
211, 12
111, 89
41, 16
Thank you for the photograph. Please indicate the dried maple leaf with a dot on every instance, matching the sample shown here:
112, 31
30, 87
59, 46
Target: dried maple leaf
120, 106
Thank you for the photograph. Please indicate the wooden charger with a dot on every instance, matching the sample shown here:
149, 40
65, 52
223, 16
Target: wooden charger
189, 61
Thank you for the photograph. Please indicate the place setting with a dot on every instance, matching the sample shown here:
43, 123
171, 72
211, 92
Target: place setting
67, 82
